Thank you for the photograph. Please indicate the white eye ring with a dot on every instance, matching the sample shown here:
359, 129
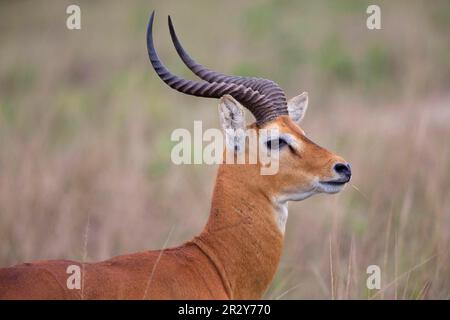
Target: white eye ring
291, 141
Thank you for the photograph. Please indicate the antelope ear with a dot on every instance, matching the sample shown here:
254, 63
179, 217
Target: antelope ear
232, 119
297, 107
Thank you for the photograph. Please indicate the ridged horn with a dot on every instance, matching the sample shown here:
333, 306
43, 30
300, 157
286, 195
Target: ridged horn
264, 99
263, 85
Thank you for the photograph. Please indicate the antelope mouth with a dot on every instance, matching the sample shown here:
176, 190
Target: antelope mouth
338, 182
333, 186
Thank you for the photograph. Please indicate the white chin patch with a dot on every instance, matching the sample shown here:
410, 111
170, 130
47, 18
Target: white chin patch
281, 202
281, 205
297, 196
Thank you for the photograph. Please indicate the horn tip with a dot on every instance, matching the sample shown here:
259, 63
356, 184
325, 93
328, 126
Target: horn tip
152, 16
169, 20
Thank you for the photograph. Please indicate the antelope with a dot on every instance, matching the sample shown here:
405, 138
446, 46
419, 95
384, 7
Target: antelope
237, 253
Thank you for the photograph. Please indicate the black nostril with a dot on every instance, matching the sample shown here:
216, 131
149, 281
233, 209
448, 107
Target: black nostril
343, 169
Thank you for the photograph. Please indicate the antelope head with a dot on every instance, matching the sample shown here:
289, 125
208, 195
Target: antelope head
305, 168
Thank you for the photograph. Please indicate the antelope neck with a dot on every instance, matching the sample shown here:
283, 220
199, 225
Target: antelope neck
242, 237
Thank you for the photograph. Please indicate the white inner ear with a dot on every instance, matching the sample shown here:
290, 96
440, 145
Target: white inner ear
297, 107
232, 119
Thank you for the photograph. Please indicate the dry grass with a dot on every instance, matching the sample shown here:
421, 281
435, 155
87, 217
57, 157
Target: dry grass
85, 128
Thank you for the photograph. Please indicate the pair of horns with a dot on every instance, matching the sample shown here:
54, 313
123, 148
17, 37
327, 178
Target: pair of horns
264, 98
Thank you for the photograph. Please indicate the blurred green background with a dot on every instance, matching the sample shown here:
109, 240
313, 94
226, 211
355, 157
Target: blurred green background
85, 124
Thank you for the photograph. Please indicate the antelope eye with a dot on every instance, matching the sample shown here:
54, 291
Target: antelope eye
276, 143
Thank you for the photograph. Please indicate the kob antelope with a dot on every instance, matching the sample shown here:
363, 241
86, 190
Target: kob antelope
237, 253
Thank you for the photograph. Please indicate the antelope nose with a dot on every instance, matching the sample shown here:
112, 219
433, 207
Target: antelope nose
344, 170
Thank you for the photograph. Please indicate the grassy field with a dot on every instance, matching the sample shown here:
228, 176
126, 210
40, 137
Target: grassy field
85, 124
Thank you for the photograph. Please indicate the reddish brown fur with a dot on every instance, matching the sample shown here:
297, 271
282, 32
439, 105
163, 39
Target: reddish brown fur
235, 257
